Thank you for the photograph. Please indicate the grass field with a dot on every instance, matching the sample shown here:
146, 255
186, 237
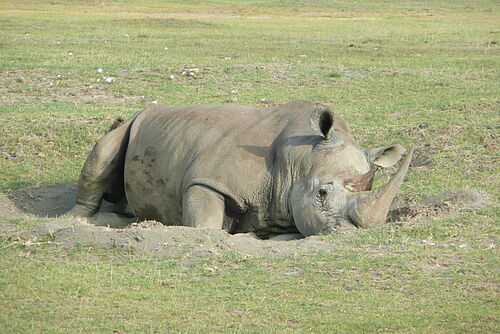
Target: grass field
422, 73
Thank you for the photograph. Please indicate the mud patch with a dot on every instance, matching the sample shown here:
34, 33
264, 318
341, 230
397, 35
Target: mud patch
166, 22
46, 201
107, 229
447, 204
422, 156
26, 87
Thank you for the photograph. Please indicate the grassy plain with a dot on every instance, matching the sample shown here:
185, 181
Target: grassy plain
419, 72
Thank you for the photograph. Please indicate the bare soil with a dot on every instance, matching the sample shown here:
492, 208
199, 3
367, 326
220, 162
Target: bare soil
48, 86
189, 244
446, 204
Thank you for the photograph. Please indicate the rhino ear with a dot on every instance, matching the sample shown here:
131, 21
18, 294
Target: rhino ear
321, 121
386, 156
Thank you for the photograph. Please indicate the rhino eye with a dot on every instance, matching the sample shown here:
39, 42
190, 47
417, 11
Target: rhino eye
322, 192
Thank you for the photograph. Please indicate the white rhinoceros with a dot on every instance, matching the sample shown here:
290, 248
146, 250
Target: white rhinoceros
284, 169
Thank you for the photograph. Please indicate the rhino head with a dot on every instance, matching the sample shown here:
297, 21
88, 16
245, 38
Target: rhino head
332, 176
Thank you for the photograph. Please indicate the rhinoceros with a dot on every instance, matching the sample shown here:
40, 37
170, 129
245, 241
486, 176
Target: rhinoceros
293, 168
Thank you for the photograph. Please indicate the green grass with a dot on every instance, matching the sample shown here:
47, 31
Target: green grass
416, 278
414, 72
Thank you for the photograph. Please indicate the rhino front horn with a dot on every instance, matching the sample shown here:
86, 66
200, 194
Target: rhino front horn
371, 208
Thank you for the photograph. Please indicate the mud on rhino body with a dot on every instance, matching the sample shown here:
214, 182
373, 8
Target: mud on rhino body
285, 169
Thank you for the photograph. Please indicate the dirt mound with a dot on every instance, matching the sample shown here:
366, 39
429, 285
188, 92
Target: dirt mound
188, 244
112, 230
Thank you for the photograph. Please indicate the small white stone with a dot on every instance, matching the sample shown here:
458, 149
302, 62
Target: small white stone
166, 48
234, 99
70, 53
125, 34
99, 70
302, 56
227, 58
90, 86
58, 42
184, 73
171, 76
109, 79
154, 102
234, 91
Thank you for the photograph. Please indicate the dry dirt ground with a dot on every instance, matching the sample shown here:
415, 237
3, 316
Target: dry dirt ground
190, 244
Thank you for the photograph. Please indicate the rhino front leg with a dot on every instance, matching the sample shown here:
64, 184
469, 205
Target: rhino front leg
202, 207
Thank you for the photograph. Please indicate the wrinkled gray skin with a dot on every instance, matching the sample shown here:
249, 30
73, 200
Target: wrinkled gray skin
286, 169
